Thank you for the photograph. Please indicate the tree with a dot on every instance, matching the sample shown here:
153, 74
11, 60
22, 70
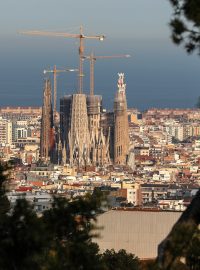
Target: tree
22, 239
193, 252
4, 203
185, 24
70, 224
60, 239
21, 232
178, 241
119, 260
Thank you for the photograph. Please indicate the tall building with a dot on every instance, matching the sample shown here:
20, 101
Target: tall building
81, 135
99, 143
94, 110
5, 131
121, 135
74, 130
47, 139
65, 124
89, 136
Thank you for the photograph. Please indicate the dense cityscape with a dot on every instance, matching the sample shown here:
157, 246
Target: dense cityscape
148, 161
159, 168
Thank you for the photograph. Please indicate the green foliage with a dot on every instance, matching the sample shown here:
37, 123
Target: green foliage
70, 225
4, 203
21, 232
119, 260
193, 252
185, 24
60, 239
22, 239
175, 140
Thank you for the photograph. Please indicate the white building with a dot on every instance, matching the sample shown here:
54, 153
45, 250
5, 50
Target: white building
5, 131
20, 132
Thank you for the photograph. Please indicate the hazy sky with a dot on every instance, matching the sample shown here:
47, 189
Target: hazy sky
158, 73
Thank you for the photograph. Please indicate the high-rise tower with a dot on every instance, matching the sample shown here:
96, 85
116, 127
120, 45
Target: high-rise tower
78, 136
99, 144
121, 135
94, 109
65, 124
47, 138
74, 131
82, 138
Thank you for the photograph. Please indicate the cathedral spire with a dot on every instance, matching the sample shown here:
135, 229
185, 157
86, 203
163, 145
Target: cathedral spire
121, 135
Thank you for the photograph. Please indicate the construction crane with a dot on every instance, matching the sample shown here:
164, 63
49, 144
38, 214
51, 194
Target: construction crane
80, 36
92, 58
55, 71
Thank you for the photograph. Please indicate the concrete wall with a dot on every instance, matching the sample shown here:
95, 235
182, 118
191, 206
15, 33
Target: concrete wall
138, 232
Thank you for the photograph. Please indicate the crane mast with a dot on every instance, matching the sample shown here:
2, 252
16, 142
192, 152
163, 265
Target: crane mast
81, 38
92, 58
54, 92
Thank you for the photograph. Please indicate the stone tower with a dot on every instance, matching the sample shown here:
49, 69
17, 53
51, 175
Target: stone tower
94, 109
81, 135
78, 136
121, 135
99, 144
47, 138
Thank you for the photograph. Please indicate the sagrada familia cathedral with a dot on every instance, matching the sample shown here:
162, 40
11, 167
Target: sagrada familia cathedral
85, 134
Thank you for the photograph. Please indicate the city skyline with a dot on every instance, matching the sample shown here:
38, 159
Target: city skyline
158, 74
